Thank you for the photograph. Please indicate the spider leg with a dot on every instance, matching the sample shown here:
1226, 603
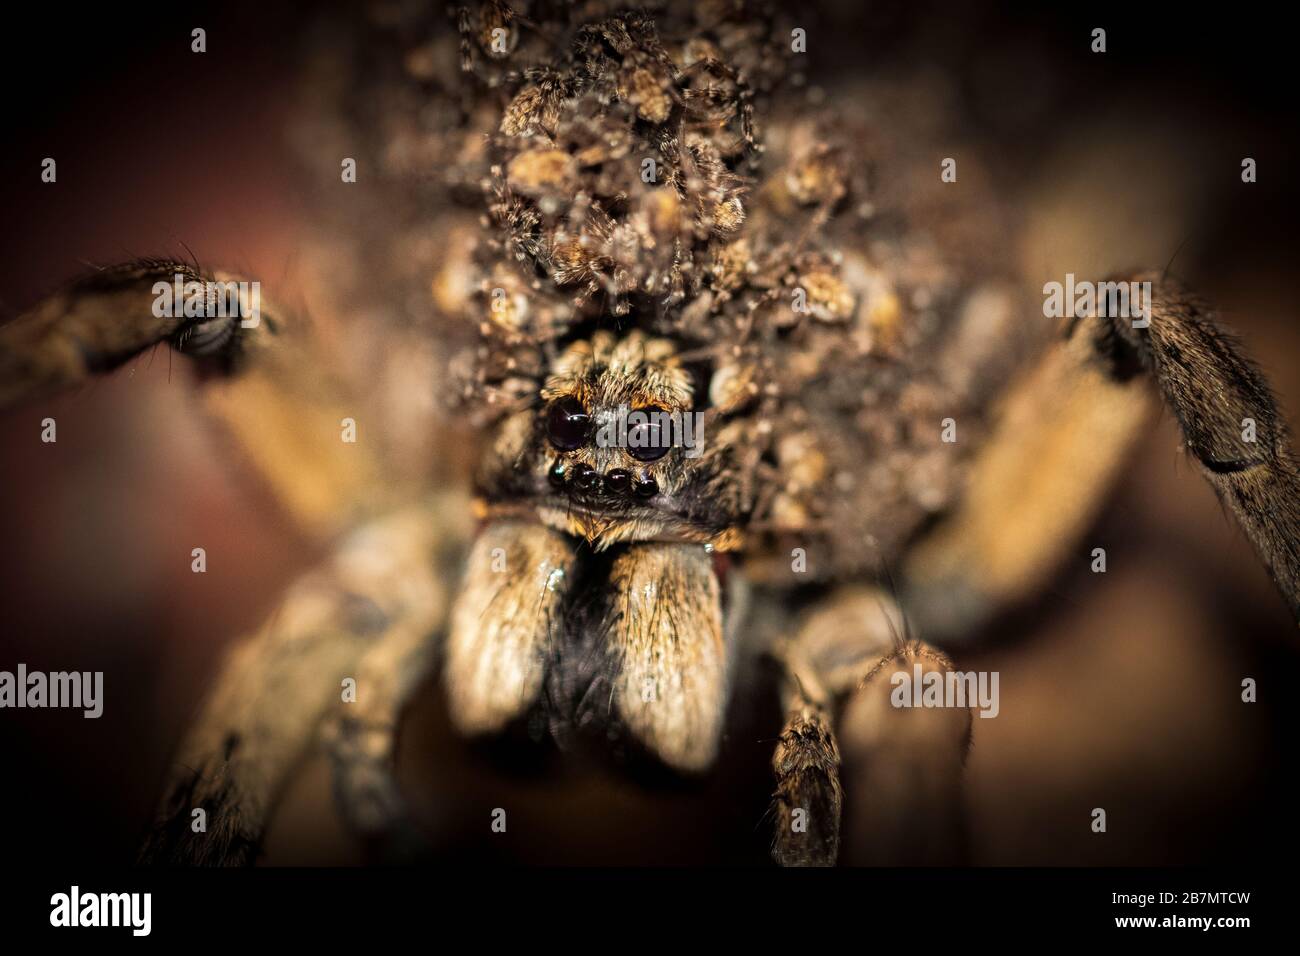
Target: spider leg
102, 320
1228, 416
1039, 480
1062, 431
807, 768
360, 735
902, 765
376, 599
466, 34
269, 382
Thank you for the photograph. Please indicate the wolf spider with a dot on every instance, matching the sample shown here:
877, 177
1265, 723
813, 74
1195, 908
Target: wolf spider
780, 276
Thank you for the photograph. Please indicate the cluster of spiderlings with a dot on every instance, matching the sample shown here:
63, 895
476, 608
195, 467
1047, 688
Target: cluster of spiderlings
619, 168
676, 171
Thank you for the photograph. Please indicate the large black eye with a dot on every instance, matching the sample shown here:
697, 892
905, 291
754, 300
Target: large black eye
649, 434
567, 423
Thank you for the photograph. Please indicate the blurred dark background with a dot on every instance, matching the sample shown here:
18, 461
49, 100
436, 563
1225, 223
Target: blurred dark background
1125, 685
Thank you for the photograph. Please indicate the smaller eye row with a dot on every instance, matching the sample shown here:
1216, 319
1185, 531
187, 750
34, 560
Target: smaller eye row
568, 426
615, 482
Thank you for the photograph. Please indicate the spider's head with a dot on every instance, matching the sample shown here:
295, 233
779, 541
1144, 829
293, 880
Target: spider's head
616, 450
